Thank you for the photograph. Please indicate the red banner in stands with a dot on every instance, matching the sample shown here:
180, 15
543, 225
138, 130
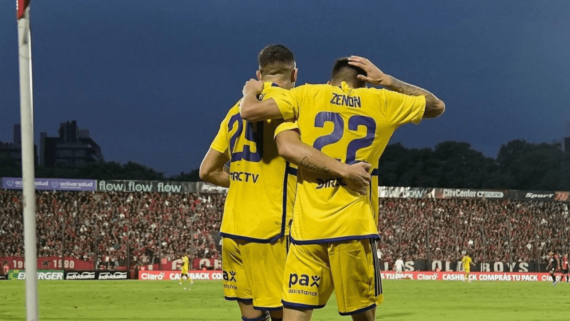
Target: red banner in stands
175, 275
48, 263
460, 276
215, 264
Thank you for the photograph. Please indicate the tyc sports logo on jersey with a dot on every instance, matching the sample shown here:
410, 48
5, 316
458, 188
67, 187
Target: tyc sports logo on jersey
244, 177
230, 276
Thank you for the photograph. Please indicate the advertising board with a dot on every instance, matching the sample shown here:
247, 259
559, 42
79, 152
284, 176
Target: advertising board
175, 275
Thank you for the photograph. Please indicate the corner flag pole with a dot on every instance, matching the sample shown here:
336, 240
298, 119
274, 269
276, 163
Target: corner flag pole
28, 174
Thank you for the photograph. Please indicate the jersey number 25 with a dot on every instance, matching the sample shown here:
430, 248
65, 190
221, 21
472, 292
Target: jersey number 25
251, 136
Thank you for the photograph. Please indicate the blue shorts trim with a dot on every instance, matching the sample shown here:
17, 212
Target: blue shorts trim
336, 239
249, 239
238, 299
301, 306
268, 309
359, 310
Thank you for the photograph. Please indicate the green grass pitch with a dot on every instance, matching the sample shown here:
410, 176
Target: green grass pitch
405, 300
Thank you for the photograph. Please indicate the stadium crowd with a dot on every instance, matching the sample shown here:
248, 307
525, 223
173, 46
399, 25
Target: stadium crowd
118, 229
490, 230
108, 228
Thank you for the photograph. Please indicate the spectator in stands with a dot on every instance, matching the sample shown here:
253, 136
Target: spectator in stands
120, 229
106, 228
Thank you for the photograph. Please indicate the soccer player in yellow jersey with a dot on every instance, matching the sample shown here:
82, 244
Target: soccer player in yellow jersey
467, 262
260, 196
184, 271
334, 229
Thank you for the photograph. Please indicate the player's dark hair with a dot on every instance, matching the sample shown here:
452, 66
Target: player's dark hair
276, 59
343, 71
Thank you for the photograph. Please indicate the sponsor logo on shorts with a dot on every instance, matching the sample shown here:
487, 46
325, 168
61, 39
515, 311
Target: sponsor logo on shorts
304, 280
302, 292
230, 276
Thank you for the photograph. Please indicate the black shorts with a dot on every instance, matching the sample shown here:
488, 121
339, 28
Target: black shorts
552, 270
565, 271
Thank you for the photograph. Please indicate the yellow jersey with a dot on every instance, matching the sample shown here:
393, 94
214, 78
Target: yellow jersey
466, 263
350, 125
185, 262
259, 203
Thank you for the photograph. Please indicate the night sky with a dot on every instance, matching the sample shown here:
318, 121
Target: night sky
151, 80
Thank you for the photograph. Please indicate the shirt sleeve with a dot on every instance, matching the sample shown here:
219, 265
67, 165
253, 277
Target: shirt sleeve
220, 142
285, 101
284, 126
401, 109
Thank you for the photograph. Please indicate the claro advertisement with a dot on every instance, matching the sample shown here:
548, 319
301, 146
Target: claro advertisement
386, 275
473, 276
175, 275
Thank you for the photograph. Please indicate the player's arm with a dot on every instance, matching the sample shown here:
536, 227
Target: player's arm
252, 109
212, 168
374, 76
290, 147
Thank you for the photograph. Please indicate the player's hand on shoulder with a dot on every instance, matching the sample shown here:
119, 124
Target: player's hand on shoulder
374, 75
357, 177
253, 86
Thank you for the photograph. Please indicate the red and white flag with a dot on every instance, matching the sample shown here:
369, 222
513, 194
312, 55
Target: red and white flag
21, 6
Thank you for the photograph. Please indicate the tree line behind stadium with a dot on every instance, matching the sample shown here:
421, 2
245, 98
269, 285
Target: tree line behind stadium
518, 165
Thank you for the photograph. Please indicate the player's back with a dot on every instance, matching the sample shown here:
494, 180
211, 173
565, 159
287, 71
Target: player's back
466, 262
350, 125
185, 264
262, 184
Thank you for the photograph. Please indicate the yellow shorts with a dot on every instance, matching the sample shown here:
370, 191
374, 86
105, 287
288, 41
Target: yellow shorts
253, 272
350, 268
